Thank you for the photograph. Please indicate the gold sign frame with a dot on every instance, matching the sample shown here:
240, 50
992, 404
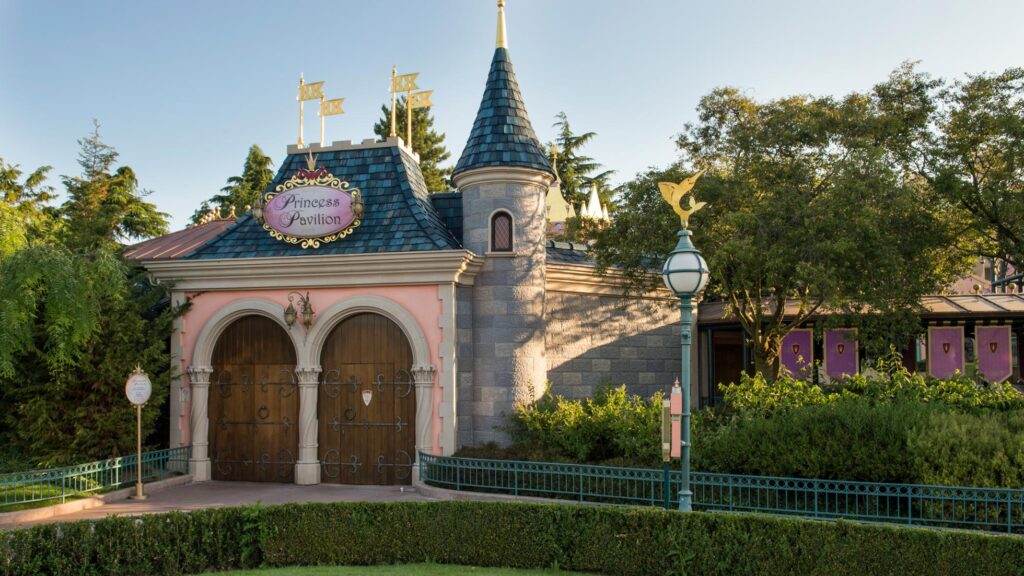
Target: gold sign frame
319, 177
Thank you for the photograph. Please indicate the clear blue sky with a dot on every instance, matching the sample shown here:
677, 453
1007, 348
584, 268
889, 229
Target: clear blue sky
183, 88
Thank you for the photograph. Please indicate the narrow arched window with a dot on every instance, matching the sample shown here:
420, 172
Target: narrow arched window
501, 232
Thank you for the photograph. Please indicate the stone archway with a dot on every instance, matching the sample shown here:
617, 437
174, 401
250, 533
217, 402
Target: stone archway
423, 371
254, 403
366, 403
201, 370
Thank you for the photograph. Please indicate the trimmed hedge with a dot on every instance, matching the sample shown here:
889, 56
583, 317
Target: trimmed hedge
586, 538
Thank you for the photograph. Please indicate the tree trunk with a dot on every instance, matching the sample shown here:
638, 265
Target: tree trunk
766, 356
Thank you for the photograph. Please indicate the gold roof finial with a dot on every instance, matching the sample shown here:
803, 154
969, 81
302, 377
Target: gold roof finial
310, 161
502, 39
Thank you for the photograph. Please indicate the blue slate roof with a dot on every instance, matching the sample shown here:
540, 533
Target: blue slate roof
502, 134
398, 217
568, 253
449, 208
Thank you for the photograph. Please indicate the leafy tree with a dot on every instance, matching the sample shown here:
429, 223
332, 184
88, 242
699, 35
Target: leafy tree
77, 318
807, 204
576, 171
426, 142
105, 205
76, 326
24, 213
976, 158
243, 190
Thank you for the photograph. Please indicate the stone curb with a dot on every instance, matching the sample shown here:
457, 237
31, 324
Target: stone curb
446, 494
9, 519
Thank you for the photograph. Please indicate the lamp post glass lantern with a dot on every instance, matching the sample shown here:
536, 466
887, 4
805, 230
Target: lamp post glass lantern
685, 274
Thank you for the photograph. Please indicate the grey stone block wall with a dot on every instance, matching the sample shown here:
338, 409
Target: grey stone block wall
596, 339
464, 352
507, 305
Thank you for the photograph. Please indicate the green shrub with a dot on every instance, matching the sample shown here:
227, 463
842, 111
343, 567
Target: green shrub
620, 541
847, 439
969, 449
611, 425
173, 543
753, 396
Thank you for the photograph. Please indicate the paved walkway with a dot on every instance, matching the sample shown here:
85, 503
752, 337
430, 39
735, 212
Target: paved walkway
219, 494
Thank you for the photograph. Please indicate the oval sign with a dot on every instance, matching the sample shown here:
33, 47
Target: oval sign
310, 212
138, 388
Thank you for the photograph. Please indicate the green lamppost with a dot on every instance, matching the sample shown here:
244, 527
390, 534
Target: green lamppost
685, 274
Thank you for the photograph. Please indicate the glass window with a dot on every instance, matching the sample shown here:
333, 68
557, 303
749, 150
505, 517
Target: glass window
501, 232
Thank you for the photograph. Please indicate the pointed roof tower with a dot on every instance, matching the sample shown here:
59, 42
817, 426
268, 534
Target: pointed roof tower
502, 134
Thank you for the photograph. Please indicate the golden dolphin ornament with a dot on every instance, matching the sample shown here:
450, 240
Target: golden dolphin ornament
673, 193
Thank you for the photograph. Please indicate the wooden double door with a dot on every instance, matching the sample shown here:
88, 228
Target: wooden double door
254, 403
366, 404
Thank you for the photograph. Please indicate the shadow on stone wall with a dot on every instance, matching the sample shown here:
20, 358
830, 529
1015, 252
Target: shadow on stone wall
594, 340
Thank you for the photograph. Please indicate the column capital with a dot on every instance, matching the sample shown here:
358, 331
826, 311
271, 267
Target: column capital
308, 375
423, 374
199, 375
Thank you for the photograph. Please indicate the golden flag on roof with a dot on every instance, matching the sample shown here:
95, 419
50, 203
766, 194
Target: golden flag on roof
311, 91
421, 99
332, 107
404, 83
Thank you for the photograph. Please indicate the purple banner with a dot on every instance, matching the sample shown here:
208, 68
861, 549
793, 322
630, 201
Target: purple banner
797, 354
995, 361
945, 351
841, 353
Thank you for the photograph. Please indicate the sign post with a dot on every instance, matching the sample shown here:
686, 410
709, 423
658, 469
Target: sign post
138, 389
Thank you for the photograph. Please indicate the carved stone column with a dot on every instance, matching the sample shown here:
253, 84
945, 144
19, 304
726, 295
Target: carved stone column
423, 376
199, 381
307, 468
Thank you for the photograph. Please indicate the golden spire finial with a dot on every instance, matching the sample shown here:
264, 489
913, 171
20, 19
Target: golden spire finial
310, 161
673, 193
502, 39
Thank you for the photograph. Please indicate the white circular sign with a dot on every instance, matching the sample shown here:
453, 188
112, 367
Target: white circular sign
138, 388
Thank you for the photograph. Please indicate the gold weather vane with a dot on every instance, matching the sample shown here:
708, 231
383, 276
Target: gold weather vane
673, 193
404, 83
329, 108
310, 91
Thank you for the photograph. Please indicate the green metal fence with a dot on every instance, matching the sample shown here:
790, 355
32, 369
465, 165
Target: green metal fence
63, 483
990, 509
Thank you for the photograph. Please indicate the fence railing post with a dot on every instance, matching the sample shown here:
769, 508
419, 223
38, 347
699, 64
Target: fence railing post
580, 474
816, 484
1009, 512
910, 505
667, 481
515, 478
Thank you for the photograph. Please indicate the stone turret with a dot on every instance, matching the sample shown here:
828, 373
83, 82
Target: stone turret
503, 175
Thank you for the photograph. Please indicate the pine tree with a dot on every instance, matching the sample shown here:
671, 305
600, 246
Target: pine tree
426, 142
105, 205
576, 171
242, 191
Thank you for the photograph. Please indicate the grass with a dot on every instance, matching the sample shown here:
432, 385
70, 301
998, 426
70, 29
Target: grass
397, 570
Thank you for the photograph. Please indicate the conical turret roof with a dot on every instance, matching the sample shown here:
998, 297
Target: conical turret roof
502, 134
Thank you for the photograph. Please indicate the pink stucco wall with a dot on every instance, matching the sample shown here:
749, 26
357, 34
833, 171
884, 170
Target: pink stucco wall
421, 302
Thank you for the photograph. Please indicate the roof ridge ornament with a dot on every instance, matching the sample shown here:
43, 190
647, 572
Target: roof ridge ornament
502, 37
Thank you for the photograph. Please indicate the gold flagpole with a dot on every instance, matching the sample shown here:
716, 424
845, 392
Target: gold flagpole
394, 74
321, 121
408, 119
301, 82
